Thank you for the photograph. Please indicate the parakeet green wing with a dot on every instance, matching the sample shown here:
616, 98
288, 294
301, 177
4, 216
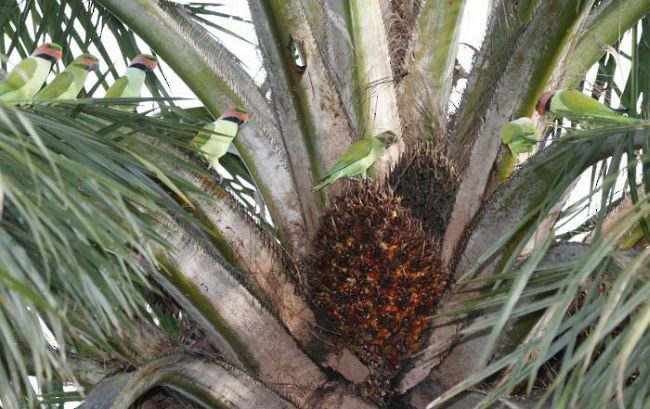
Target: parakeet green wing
117, 89
354, 161
356, 152
18, 76
579, 102
55, 88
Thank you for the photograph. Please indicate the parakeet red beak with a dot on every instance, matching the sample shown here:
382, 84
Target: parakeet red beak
51, 51
544, 102
145, 62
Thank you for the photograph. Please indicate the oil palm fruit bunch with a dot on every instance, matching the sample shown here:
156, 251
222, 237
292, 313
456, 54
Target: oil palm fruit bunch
374, 276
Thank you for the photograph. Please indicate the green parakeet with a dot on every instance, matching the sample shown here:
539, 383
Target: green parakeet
576, 106
358, 158
130, 84
28, 76
520, 135
213, 143
67, 84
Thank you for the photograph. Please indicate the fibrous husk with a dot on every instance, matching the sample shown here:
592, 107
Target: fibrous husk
399, 20
426, 181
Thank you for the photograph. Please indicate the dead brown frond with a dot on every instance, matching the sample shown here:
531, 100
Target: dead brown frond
399, 19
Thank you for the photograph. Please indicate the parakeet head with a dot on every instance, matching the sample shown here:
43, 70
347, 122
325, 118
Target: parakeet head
145, 62
87, 61
237, 115
544, 103
49, 51
388, 138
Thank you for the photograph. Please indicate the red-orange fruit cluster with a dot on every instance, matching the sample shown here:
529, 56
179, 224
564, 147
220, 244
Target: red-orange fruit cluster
374, 276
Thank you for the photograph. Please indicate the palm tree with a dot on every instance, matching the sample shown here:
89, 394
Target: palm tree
133, 272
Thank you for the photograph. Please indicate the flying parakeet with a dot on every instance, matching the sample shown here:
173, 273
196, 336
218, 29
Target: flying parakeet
130, 84
67, 84
574, 105
29, 75
358, 158
520, 135
213, 143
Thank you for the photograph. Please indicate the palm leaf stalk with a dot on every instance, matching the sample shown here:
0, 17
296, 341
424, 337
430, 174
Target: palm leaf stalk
186, 374
256, 152
605, 25
281, 27
532, 66
433, 65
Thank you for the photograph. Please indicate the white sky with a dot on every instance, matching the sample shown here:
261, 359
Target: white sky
472, 32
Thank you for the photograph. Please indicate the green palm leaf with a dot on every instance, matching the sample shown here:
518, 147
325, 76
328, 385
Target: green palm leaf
76, 232
581, 307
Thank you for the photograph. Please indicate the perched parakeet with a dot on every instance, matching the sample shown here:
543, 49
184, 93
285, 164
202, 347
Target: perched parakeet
213, 143
574, 105
29, 75
520, 135
130, 84
67, 84
358, 158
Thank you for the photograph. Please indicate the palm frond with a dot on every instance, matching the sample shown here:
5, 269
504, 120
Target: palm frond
219, 81
536, 53
205, 13
637, 86
77, 233
582, 312
606, 24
